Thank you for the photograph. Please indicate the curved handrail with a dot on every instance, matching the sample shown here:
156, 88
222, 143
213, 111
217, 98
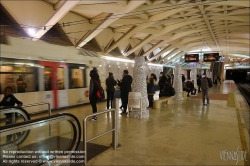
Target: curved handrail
26, 117
28, 125
20, 110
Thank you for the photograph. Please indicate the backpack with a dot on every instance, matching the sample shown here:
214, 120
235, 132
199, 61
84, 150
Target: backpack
100, 92
172, 92
210, 84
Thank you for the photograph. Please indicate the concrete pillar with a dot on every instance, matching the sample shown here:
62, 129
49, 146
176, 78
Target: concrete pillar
140, 85
177, 83
193, 76
222, 71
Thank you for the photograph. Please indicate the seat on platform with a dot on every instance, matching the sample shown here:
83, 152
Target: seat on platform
157, 103
135, 101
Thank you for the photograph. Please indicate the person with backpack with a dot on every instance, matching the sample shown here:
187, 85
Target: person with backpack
9, 100
168, 90
161, 83
93, 88
125, 85
204, 89
110, 83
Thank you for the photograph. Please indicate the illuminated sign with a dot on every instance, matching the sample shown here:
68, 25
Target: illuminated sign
211, 57
192, 58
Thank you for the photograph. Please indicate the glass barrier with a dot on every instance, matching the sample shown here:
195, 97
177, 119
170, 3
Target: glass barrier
39, 146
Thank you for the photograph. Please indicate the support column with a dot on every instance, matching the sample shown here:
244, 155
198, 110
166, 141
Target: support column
178, 83
193, 76
140, 85
222, 71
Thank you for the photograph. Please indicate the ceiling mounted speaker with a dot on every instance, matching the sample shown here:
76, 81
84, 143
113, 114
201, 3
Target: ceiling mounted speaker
4, 40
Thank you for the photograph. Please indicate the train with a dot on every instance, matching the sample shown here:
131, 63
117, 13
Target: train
41, 72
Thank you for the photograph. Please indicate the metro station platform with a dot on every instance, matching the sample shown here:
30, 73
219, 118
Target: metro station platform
181, 133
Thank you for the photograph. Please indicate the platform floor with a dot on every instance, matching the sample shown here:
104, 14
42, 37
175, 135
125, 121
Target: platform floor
181, 133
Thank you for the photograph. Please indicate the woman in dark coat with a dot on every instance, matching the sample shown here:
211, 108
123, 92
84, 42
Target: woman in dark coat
92, 91
110, 83
151, 84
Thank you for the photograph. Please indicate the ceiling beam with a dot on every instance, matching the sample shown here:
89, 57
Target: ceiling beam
62, 10
154, 47
162, 32
153, 19
107, 21
201, 7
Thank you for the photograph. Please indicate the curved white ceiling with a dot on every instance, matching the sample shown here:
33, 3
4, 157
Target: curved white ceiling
139, 27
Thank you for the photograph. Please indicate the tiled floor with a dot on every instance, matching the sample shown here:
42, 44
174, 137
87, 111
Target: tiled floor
181, 133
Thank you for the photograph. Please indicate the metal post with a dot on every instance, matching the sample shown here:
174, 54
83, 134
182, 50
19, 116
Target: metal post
113, 113
49, 109
13, 122
85, 141
115, 122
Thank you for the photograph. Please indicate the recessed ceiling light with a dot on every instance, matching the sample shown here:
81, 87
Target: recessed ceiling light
31, 31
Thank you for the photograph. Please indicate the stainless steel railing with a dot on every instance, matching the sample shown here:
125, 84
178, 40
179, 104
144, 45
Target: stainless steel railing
114, 129
27, 126
37, 104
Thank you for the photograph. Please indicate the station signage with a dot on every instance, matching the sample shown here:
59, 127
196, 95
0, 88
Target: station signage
192, 58
210, 57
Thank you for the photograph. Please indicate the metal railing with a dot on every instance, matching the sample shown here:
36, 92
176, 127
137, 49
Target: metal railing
114, 130
38, 104
29, 125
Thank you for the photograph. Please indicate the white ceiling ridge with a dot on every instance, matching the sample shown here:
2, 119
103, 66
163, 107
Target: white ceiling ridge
105, 23
163, 31
62, 10
151, 20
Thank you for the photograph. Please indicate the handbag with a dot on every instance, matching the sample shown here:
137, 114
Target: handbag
117, 93
100, 92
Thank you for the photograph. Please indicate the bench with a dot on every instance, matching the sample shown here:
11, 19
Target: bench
184, 93
157, 103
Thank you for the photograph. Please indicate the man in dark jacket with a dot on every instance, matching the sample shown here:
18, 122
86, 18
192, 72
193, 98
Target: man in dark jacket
161, 82
204, 89
125, 85
183, 78
110, 83
9, 100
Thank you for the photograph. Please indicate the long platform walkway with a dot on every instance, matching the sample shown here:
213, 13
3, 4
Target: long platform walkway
181, 133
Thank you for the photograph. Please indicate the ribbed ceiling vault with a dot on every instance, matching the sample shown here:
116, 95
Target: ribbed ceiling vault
162, 30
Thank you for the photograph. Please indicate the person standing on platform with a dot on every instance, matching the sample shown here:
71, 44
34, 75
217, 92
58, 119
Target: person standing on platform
110, 83
125, 85
168, 79
161, 82
199, 83
151, 84
183, 78
204, 89
93, 87
9, 100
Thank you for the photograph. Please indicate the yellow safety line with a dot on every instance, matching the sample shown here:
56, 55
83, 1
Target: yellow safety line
242, 138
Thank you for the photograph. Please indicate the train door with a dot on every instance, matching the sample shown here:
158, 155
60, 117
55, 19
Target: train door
54, 80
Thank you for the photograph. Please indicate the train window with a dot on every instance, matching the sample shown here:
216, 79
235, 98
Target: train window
47, 78
60, 78
21, 75
76, 76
